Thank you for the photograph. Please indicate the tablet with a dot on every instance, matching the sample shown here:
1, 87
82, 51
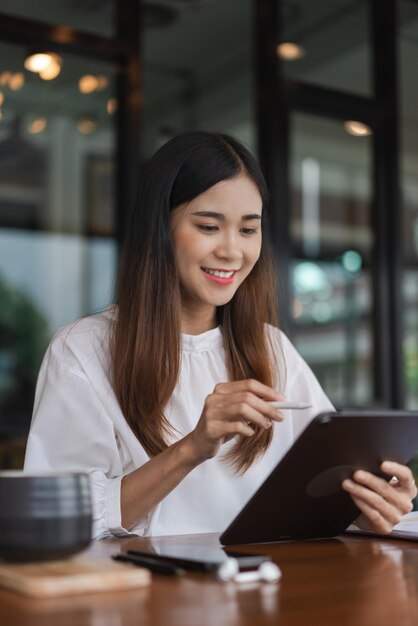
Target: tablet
302, 498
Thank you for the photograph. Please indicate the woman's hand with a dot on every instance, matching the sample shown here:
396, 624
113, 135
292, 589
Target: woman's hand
382, 503
233, 409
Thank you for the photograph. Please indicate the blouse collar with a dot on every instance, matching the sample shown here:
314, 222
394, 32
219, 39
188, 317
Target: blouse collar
208, 340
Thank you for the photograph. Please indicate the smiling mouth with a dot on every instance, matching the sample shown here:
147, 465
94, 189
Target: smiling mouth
219, 273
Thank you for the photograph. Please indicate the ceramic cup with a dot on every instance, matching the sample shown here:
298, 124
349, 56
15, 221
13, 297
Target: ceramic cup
44, 516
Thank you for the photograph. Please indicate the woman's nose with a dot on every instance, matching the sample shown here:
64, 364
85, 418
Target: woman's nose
228, 247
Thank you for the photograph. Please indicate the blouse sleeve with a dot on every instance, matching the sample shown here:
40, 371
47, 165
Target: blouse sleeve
301, 385
71, 431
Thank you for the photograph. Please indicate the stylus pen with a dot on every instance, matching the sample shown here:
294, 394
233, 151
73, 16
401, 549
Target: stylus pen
159, 567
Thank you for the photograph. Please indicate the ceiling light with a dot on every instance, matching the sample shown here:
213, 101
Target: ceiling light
37, 62
102, 83
5, 77
289, 51
40, 61
52, 71
37, 126
16, 81
86, 126
112, 106
358, 129
88, 83
351, 261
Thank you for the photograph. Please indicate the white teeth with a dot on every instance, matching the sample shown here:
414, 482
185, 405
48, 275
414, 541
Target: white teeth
219, 274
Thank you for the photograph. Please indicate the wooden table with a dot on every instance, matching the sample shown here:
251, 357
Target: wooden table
348, 581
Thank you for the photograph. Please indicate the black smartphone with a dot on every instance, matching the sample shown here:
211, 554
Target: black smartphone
204, 560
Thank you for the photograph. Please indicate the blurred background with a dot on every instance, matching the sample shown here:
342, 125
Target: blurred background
324, 93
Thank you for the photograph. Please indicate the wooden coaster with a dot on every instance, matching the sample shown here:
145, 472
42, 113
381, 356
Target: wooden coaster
72, 576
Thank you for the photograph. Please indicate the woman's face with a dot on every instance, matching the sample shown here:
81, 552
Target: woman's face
217, 241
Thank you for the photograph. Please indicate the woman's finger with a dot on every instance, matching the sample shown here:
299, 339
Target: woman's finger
385, 499
225, 401
216, 429
234, 410
371, 519
251, 385
399, 498
231, 429
387, 491
403, 474
372, 501
241, 411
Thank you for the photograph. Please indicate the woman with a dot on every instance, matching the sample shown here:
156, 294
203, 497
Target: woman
165, 398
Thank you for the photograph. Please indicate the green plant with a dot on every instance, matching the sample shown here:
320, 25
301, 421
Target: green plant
23, 335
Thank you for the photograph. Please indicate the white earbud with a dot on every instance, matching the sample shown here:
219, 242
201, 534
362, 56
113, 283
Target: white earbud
268, 572
228, 569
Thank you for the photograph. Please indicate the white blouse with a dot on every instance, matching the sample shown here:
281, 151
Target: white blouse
78, 426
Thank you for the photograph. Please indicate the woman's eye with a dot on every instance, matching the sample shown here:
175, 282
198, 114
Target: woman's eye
206, 228
248, 231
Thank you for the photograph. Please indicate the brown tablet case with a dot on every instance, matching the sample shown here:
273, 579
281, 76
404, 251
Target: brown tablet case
302, 498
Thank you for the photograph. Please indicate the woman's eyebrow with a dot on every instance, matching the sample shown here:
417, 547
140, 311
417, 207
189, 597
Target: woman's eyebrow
251, 216
221, 216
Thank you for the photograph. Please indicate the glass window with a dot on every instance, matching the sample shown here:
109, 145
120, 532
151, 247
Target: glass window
198, 71
327, 44
57, 212
410, 289
332, 240
84, 15
408, 51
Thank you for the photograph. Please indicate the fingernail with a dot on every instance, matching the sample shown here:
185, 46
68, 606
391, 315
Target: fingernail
268, 424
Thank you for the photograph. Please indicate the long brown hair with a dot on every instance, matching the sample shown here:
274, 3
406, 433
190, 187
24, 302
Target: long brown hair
146, 337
